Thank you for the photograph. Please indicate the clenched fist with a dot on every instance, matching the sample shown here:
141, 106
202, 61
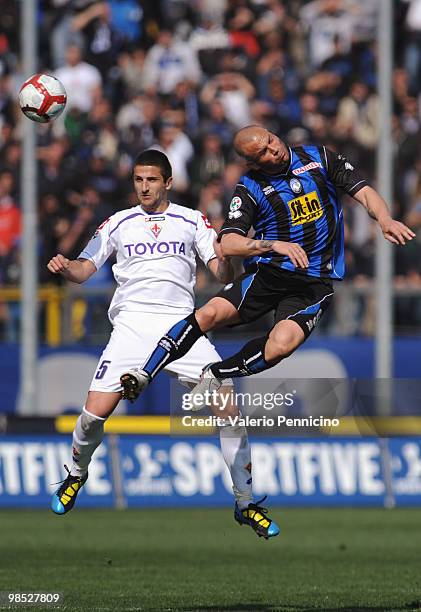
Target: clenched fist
58, 264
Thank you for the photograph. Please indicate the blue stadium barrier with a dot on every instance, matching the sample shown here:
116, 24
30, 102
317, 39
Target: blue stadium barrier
157, 471
65, 373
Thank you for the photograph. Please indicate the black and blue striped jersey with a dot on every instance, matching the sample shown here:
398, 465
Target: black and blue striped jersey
300, 205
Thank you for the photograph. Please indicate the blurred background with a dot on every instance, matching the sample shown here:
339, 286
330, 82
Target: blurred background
182, 76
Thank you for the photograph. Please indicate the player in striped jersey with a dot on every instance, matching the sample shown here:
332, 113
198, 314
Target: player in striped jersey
289, 196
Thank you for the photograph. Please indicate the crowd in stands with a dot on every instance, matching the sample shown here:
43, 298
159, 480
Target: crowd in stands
182, 76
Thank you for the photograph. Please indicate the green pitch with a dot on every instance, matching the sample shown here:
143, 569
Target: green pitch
200, 560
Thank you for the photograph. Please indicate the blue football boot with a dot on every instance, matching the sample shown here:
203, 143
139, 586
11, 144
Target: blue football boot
64, 498
256, 516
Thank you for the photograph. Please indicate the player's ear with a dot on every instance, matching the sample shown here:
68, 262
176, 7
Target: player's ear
168, 184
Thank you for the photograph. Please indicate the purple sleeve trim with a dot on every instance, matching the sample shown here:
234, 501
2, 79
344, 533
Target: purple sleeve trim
138, 214
181, 217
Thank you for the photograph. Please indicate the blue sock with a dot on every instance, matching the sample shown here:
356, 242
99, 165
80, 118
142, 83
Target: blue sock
175, 344
249, 360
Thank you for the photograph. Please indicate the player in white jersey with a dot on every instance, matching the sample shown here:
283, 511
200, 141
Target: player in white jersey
155, 243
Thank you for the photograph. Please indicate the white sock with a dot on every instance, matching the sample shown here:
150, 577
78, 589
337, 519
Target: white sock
236, 451
87, 436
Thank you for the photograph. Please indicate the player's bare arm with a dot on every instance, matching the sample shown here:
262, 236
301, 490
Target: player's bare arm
221, 266
76, 270
235, 245
394, 231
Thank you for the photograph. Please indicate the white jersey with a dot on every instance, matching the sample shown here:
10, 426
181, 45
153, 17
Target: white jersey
156, 257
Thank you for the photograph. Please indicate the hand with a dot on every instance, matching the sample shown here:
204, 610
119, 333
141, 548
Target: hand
218, 251
58, 264
395, 231
292, 250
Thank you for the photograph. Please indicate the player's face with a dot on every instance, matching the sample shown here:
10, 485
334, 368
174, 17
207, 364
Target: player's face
150, 186
268, 152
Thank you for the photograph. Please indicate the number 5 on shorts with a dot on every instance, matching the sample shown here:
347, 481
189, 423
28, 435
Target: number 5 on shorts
102, 369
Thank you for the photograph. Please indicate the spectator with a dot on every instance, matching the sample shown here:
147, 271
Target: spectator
413, 45
209, 39
58, 25
286, 107
136, 122
327, 23
81, 80
11, 157
127, 20
184, 98
10, 217
131, 72
239, 21
210, 162
358, 120
211, 202
168, 62
53, 175
235, 92
272, 61
217, 123
101, 41
7, 104
179, 150
327, 86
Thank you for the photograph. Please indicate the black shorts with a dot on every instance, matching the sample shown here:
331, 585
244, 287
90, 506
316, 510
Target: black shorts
293, 296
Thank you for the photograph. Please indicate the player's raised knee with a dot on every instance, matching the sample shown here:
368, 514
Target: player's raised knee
207, 317
282, 343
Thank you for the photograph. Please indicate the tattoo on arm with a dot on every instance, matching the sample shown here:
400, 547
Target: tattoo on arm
265, 244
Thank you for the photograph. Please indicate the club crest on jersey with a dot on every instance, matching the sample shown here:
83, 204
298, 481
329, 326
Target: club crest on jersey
295, 185
155, 229
305, 208
235, 203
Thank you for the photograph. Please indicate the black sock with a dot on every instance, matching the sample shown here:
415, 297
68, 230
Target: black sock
249, 360
175, 344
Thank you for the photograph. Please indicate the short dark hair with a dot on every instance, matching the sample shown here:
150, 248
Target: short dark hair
152, 157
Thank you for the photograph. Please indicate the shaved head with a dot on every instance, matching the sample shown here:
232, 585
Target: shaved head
247, 136
262, 148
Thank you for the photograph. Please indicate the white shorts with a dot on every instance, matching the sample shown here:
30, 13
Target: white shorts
133, 339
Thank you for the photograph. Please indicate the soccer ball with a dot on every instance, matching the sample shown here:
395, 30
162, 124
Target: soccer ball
42, 98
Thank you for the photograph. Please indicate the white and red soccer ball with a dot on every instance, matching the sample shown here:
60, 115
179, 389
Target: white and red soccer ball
42, 98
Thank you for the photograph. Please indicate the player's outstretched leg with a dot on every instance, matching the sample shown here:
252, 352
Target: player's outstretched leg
174, 345
64, 498
256, 516
282, 341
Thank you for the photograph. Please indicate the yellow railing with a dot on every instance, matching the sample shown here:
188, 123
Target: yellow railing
53, 297
66, 306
